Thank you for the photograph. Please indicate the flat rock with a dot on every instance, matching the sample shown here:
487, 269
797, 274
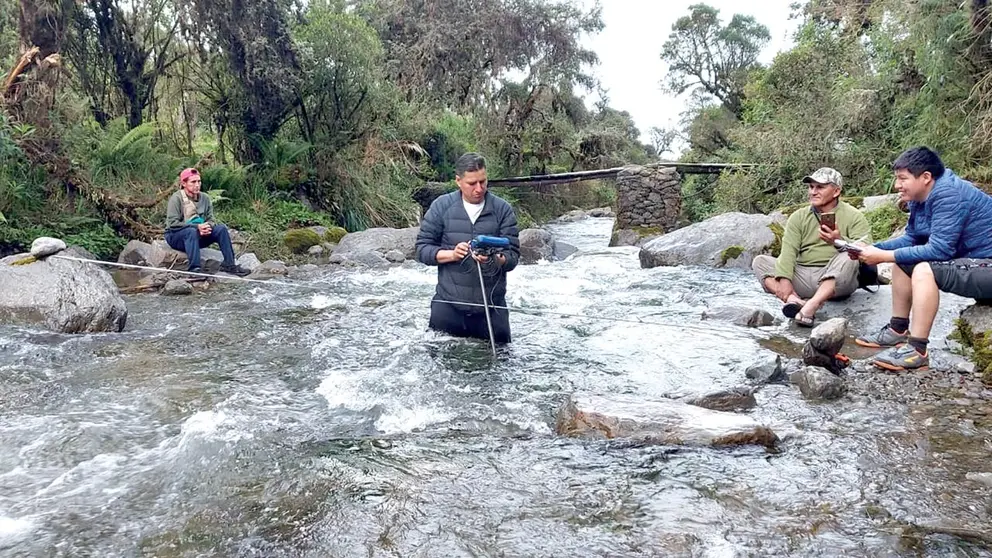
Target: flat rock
733, 399
663, 422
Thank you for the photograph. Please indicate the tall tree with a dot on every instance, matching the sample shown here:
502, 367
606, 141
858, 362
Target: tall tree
456, 52
130, 50
702, 52
255, 40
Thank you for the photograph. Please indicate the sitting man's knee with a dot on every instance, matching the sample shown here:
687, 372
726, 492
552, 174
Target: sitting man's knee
922, 270
219, 228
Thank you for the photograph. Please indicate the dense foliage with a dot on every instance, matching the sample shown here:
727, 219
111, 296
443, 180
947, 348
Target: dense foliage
863, 81
328, 112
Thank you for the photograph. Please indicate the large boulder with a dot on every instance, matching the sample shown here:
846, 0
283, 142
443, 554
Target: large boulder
362, 258
536, 245
63, 295
728, 240
380, 240
160, 254
663, 422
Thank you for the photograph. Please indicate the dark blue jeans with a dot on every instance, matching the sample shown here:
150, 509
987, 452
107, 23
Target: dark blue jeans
190, 241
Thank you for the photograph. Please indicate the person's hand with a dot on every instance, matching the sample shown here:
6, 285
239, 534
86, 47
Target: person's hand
204, 229
500, 258
829, 235
783, 290
461, 250
873, 256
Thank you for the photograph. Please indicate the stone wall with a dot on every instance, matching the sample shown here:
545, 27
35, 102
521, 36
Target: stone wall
649, 203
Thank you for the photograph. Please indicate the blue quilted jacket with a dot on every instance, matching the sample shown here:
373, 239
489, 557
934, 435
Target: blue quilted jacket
955, 221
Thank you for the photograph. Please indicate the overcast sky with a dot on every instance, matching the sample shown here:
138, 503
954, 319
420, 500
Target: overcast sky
630, 67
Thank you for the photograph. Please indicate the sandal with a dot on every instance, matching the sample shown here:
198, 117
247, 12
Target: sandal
803, 320
791, 309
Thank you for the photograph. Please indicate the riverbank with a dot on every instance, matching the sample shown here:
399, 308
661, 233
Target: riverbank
294, 423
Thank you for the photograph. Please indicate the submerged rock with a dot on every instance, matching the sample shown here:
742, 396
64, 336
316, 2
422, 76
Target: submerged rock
768, 370
657, 422
745, 317
734, 399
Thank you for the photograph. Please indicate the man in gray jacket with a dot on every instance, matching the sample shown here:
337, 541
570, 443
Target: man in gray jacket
452, 221
189, 225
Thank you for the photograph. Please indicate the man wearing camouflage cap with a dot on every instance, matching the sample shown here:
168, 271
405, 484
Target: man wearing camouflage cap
810, 271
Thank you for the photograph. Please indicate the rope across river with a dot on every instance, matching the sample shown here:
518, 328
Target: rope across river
322, 288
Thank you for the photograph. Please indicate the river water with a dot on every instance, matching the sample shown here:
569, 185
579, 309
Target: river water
270, 421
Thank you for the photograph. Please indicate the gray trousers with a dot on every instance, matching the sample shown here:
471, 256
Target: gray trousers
805, 279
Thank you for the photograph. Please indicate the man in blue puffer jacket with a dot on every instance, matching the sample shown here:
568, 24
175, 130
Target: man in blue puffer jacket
947, 247
450, 223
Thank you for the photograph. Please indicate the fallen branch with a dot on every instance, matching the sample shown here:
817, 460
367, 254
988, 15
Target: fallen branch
26, 59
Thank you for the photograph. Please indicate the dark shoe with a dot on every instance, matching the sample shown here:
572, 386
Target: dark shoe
195, 269
902, 358
791, 309
885, 337
235, 270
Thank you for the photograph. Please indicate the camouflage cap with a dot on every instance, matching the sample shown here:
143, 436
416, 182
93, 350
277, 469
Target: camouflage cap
825, 175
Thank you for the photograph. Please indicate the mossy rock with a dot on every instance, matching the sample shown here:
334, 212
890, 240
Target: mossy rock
300, 240
978, 345
854, 201
884, 221
335, 234
641, 232
775, 248
730, 253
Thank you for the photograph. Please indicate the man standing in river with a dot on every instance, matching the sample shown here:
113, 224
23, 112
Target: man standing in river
450, 223
947, 247
810, 271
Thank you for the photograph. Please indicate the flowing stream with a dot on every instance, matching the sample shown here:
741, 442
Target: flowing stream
263, 420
